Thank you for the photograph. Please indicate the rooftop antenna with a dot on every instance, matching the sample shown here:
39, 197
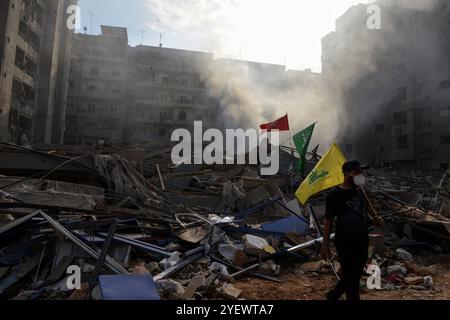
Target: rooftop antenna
160, 40
92, 24
142, 37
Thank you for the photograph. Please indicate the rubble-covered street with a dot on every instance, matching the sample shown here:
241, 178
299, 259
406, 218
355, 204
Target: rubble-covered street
139, 227
224, 157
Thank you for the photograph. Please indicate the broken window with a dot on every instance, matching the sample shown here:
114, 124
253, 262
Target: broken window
34, 40
20, 58
400, 118
23, 92
23, 30
402, 142
30, 67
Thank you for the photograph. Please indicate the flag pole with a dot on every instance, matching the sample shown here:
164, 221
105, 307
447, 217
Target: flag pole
291, 146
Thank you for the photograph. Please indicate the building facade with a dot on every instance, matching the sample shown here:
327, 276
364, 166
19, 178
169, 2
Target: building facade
166, 91
34, 53
97, 91
393, 84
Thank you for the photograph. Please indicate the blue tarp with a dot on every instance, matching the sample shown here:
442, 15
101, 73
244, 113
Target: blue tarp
291, 224
128, 287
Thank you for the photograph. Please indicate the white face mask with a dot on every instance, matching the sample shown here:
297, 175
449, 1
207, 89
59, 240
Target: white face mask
359, 180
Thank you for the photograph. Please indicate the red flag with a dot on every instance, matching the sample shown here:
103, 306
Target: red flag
281, 124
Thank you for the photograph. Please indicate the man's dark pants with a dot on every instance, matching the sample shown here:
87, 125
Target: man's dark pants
353, 259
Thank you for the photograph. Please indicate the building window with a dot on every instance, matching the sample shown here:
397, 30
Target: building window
92, 88
38, 14
445, 139
182, 116
116, 74
95, 71
199, 118
400, 118
164, 97
402, 94
402, 142
184, 82
116, 91
20, 58
23, 92
23, 30
444, 112
30, 67
444, 84
92, 108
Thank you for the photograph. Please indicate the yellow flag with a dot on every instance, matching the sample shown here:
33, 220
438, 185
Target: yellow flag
327, 174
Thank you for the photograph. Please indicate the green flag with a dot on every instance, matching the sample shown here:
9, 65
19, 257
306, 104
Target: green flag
302, 140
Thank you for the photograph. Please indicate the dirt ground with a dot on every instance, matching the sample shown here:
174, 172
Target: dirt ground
313, 286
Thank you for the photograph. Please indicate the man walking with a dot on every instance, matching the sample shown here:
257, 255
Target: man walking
348, 206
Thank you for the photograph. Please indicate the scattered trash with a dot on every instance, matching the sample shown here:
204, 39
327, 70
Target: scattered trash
141, 228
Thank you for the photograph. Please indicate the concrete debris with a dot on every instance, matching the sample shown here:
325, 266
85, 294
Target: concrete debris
403, 255
270, 268
413, 280
428, 281
397, 270
191, 230
230, 292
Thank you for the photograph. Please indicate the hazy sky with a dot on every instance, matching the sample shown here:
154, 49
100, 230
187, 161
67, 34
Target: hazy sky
273, 31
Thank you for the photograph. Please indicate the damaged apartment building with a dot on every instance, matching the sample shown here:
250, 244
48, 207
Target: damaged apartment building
34, 63
130, 95
123, 94
393, 83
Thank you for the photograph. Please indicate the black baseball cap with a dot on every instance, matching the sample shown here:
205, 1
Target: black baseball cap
351, 165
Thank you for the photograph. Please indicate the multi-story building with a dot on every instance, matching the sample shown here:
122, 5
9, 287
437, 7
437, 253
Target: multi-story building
97, 90
393, 84
121, 94
131, 95
166, 90
34, 66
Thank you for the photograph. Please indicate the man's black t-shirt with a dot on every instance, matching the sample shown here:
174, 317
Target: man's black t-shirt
350, 209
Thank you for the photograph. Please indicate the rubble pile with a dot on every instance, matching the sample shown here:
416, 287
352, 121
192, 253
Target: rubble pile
134, 226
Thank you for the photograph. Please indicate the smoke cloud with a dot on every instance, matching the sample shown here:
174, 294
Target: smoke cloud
280, 32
